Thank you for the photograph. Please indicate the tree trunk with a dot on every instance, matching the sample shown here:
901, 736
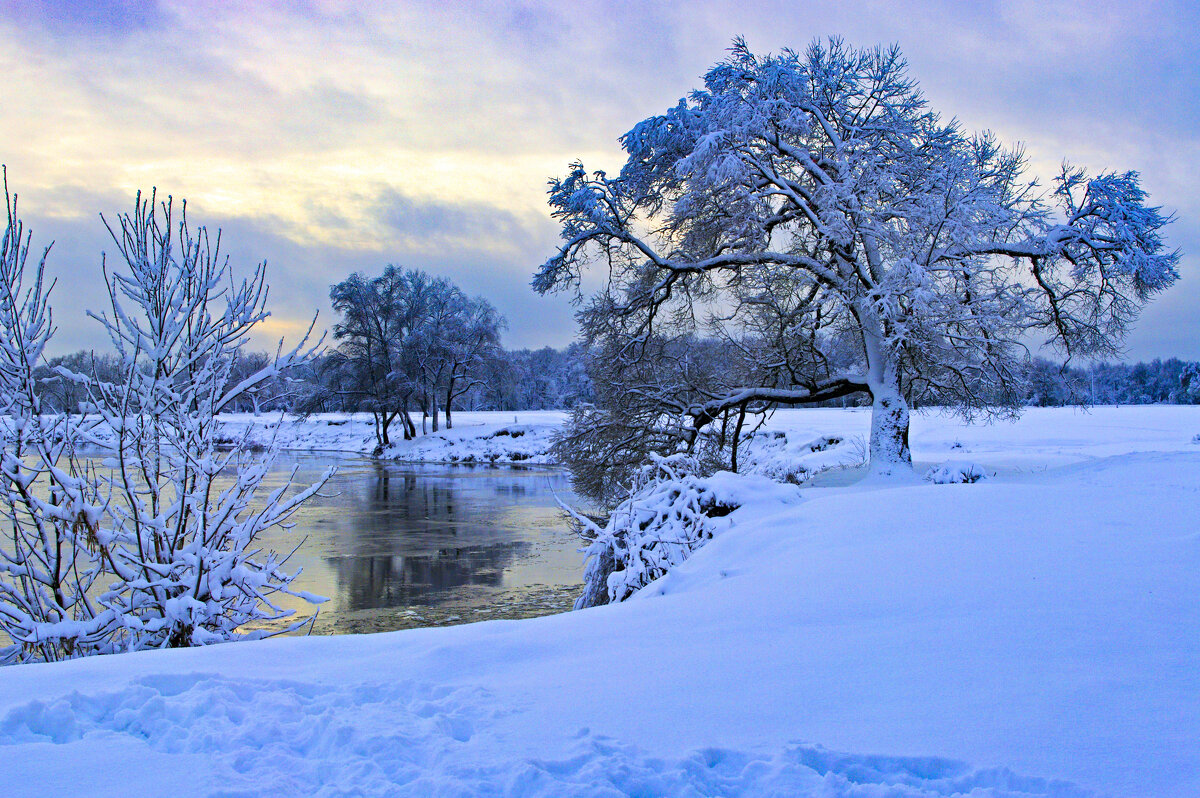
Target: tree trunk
449, 399
890, 454
737, 438
384, 423
434, 402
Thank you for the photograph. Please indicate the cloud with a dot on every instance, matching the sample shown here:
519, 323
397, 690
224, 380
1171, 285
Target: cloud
334, 136
483, 249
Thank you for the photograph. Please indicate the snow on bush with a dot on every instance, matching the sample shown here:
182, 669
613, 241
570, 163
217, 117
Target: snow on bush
48, 559
671, 511
797, 459
154, 545
955, 473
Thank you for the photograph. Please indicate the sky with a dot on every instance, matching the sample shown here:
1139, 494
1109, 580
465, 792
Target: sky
328, 137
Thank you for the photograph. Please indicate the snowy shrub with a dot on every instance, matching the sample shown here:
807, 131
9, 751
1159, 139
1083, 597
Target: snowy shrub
1196, 438
669, 513
955, 473
777, 456
170, 516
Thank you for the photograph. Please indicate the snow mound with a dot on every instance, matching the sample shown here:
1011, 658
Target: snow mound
956, 473
276, 737
797, 457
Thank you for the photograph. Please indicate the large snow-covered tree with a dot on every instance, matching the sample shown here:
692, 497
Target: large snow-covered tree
368, 366
817, 196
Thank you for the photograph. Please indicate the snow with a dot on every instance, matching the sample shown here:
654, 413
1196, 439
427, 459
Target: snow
1030, 634
956, 472
671, 511
794, 442
481, 437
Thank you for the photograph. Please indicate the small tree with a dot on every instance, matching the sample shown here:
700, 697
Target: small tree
156, 547
820, 187
180, 537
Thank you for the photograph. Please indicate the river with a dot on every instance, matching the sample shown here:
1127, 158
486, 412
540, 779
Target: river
395, 546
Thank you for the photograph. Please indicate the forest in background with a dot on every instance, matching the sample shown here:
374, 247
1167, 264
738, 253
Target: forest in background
557, 379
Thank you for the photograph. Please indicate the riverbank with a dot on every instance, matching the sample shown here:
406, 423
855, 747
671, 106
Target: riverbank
477, 438
792, 445
1031, 634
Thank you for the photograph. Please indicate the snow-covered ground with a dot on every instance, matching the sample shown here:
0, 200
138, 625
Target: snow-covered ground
1035, 633
490, 437
1041, 438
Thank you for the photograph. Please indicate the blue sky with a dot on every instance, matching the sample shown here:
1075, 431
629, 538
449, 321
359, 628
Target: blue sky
333, 137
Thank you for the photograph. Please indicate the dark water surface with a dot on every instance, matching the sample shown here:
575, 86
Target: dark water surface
394, 546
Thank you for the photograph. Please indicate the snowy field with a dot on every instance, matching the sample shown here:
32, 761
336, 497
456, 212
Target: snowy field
1035, 633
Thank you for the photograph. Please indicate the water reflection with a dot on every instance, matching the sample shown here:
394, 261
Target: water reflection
373, 581
396, 545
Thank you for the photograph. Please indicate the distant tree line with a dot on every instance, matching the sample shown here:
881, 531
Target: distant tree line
1170, 381
562, 379
405, 344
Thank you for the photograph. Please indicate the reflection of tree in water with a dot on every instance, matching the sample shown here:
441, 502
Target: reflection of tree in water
411, 542
389, 581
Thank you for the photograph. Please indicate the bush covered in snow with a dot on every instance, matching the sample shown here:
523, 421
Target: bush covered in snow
154, 544
955, 473
671, 511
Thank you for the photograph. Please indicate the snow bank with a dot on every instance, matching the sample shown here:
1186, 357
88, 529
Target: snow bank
671, 512
1042, 437
797, 457
1039, 624
796, 442
497, 444
521, 438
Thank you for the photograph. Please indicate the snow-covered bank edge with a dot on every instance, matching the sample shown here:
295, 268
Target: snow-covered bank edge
1041, 438
521, 439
